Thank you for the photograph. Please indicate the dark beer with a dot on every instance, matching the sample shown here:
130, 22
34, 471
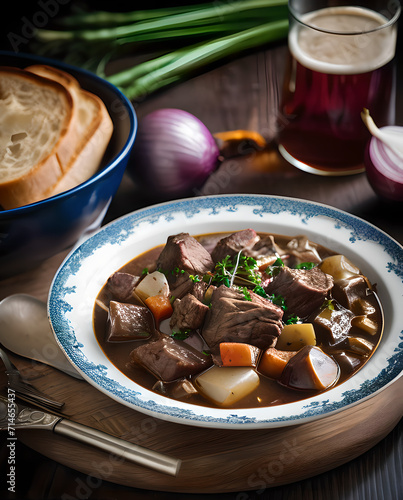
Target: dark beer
329, 80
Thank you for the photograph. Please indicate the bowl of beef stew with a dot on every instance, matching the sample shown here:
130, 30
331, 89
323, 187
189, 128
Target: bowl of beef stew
233, 311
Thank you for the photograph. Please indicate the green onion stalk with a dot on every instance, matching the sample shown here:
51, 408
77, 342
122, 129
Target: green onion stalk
181, 40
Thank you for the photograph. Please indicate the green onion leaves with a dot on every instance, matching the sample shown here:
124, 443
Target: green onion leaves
179, 40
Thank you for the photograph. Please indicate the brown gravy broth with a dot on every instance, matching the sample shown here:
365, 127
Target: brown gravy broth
269, 392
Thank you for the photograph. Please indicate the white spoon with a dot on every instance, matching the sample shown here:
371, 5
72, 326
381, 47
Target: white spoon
25, 330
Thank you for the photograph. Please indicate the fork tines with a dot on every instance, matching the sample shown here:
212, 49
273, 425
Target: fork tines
24, 389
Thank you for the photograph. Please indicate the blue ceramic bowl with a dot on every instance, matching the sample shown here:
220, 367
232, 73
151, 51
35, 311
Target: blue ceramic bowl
32, 233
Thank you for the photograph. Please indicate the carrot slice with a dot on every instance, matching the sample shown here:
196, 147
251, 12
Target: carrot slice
273, 361
160, 306
237, 354
242, 135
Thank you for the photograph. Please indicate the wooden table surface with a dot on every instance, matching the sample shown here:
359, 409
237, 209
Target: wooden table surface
240, 94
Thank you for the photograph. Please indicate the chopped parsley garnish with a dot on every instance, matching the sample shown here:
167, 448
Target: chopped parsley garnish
278, 263
305, 265
246, 293
259, 290
222, 273
244, 271
328, 304
292, 320
278, 300
176, 271
274, 268
180, 335
194, 278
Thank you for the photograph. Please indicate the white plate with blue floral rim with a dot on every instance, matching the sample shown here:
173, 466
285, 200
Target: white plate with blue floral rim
86, 269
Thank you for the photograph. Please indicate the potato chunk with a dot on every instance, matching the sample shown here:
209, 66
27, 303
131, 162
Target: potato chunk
366, 324
153, 284
339, 267
360, 346
293, 337
227, 385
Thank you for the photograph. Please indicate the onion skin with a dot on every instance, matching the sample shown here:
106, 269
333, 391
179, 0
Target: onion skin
174, 153
384, 170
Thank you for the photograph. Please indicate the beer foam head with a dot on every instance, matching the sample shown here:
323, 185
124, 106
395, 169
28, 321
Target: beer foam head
343, 40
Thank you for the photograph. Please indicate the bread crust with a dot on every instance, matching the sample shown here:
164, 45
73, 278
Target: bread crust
92, 136
79, 150
29, 185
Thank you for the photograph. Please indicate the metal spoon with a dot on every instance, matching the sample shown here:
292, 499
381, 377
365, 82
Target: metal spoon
25, 330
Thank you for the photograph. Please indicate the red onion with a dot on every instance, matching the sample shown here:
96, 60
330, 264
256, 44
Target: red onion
174, 153
384, 160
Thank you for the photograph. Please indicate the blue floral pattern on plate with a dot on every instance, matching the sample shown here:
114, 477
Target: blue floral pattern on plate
84, 271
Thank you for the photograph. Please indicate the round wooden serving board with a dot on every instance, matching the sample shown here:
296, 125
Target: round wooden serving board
213, 460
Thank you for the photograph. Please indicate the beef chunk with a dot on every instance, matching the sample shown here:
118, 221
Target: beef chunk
232, 318
188, 313
121, 285
170, 359
199, 289
195, 340
128, 322
304, 290
184, 252
232, 244
184, 285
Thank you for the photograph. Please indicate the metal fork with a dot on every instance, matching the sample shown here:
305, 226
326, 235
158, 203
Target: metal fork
24, 390
18, 416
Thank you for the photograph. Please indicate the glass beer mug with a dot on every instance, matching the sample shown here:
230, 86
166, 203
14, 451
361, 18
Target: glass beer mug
341, 61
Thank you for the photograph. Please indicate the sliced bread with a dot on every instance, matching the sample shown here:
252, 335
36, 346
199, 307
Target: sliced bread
35, 115
70, 154
92, 128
